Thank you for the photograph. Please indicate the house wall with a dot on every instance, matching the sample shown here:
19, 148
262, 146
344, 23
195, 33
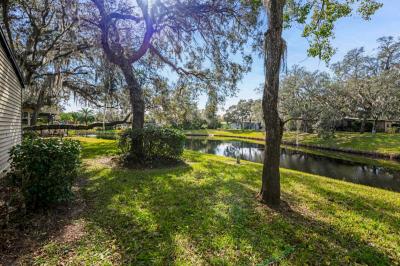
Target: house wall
246, 125
10, 109
381, 126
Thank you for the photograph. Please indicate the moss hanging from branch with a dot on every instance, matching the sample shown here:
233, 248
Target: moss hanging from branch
79, 127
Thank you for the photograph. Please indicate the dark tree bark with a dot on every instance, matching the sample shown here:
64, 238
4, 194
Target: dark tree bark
362, 128
38, 106
274, 49
136, 99
114, 53
35, 116
363, 122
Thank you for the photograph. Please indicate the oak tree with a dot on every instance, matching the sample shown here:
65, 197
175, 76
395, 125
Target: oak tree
318, 18
193, 38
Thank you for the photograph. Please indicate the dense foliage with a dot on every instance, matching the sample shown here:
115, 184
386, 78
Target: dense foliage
83, 116
30, 134
45, 169
244, 111
363, 87
174, 107
158, 142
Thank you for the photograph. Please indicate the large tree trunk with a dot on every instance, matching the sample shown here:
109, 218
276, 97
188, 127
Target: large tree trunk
136, 98
35, 115
38, 106
274, 49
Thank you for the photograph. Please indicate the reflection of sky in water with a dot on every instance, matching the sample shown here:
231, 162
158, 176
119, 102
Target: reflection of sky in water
309, 163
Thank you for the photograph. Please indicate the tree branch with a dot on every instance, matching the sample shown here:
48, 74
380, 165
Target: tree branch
147, 36
78, 127
115, 15
296, 118
177, 69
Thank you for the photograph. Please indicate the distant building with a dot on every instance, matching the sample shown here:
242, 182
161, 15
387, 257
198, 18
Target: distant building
11, 84
47, 115
354, 124
246, 125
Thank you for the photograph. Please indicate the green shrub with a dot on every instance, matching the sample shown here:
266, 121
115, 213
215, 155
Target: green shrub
71, 133
45, 169
30, 134
158, 143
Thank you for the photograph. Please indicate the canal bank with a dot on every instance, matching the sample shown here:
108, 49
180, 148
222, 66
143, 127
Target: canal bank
366, 171
294, 143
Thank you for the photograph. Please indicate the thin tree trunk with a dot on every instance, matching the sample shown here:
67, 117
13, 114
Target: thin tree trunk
136, 98
374, 125
104, 113
363, 122
274, 49
34, 117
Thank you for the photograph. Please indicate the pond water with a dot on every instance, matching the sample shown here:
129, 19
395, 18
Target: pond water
369, 175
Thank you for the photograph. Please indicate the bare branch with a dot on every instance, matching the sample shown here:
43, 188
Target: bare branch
78, 127
179, 70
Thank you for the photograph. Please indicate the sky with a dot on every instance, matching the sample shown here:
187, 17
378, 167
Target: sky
352, 32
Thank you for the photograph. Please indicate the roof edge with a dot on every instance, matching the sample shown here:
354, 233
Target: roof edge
10, 55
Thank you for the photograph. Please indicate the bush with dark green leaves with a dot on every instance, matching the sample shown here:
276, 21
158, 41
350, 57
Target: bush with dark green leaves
30, 134
159, 143
45, 169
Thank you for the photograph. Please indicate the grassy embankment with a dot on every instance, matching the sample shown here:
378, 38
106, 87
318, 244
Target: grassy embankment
380, 142
204, 212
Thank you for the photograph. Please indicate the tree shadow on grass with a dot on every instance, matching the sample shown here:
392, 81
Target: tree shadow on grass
346, 198
26, 235
206, 214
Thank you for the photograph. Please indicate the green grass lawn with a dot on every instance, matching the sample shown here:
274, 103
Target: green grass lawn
92, 147
379, 142
205, 212
390, 164
227, 132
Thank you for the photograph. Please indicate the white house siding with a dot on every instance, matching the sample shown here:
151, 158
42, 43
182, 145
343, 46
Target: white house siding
10, 109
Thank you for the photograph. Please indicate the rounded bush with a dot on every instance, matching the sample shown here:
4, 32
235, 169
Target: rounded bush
158, 142
30, 134
45, 169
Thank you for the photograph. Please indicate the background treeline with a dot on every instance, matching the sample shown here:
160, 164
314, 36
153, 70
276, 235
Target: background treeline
363, 87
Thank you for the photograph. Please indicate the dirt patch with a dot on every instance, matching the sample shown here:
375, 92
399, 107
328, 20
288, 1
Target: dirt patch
109, 161
105, 160
72, 232
26, 236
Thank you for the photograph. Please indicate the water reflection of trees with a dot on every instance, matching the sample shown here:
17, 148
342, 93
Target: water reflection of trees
246, 151
199, 144
231, 151
305, 162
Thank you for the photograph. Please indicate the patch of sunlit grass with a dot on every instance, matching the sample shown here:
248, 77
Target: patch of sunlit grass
206, 213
